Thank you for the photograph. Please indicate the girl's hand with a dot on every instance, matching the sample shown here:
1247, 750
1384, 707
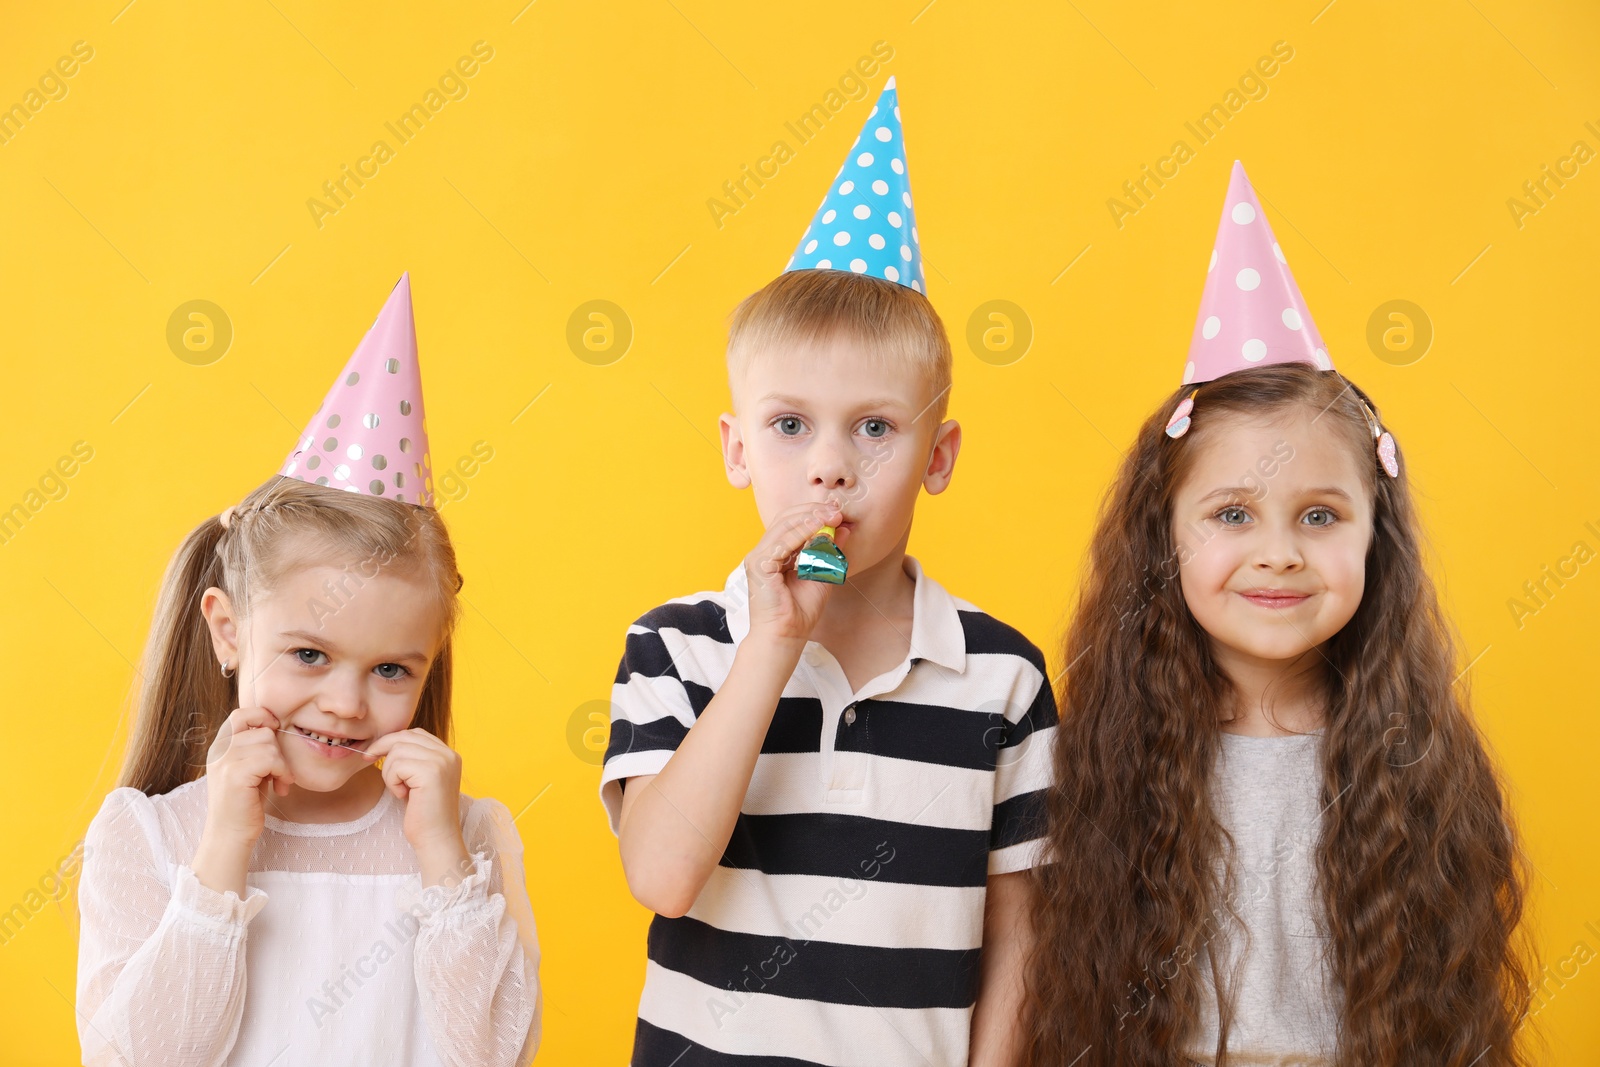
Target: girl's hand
783, 606
244, 761
424, 772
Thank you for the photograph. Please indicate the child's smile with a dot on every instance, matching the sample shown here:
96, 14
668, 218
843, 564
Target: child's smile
1272, 527
329, 745
340, 659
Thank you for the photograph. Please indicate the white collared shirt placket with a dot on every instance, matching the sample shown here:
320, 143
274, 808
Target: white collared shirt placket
843, 774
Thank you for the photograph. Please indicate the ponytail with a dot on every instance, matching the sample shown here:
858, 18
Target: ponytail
183, 697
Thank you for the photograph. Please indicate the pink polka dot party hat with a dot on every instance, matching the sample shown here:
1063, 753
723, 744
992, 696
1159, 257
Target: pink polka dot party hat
370, 435
1251, 312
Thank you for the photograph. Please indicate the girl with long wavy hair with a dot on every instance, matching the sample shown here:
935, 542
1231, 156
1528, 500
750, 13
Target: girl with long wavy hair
1276, 835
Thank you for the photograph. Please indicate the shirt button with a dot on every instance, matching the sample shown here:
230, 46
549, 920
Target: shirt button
850, 715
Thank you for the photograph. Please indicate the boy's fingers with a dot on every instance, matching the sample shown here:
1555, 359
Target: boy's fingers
811, 595
818, 516
795, 530
772, 560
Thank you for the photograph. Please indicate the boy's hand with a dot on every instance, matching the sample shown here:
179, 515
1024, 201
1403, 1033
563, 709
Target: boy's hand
675, 825
782, 606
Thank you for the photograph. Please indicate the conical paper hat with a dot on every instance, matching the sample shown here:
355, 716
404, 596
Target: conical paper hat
865, 223
1251, 312
370, 435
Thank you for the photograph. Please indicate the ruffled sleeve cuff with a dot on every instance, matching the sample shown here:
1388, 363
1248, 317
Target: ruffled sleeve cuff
205, 905
465, 896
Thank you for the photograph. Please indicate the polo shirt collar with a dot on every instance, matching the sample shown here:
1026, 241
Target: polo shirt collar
936, 632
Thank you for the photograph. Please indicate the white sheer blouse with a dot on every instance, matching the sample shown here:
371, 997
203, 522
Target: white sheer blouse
336, 954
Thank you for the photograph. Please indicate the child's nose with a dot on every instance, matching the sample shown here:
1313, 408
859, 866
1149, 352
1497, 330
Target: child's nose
342, 697
1277, 550
832, 467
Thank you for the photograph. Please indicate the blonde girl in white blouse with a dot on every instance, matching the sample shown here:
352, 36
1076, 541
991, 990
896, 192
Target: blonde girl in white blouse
288, 872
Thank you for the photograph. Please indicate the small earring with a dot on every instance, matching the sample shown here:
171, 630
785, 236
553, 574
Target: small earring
227, 670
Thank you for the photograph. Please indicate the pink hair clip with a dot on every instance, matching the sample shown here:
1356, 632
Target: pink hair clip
1182, 417
1178, 425
1385, 439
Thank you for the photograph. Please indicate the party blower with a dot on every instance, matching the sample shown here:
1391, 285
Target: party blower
821, 560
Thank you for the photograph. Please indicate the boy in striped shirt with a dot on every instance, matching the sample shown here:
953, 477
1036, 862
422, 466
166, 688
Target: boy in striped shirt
830, 795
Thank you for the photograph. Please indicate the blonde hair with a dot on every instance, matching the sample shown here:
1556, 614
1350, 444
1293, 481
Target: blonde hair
183, 696
896, 325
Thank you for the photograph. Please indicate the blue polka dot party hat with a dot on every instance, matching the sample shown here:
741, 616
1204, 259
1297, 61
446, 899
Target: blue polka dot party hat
865, 223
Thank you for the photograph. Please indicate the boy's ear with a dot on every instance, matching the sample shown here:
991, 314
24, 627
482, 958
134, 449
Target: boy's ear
942, 459
733, 452
219, 614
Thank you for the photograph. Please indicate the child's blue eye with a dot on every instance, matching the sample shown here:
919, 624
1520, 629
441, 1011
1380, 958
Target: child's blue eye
1233, 509
1330, 519
789, 425
307, 658
876, 428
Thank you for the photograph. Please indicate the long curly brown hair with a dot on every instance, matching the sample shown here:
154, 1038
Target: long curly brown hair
1417, 863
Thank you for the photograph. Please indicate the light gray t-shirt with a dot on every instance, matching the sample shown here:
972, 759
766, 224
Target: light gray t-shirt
1266, 791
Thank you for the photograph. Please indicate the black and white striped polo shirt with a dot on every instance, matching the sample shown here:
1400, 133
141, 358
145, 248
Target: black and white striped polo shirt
843, 923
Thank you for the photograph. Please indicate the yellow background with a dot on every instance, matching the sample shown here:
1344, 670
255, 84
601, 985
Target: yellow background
578, 166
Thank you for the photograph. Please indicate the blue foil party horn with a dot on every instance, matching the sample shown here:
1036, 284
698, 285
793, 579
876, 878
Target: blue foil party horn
820, 560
